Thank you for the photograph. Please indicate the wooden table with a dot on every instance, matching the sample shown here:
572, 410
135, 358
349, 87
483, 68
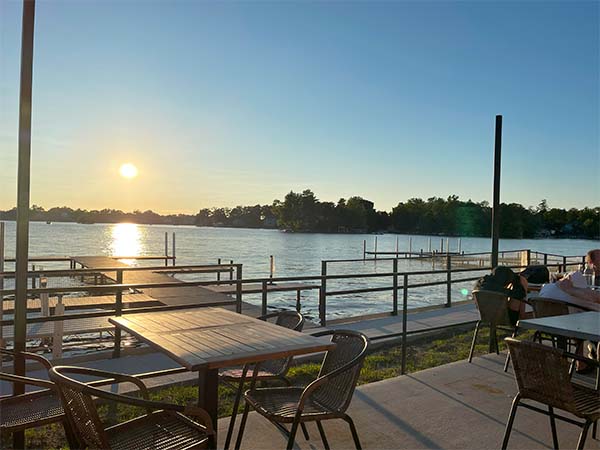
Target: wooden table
206, 339
585, 326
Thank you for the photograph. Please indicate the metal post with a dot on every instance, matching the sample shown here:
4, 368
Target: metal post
238, 289
564, 264
23, 189
166, 249
448, 280
173, 247
323, 295
1, 282
264, 298
57, 335
118, 309
395, 286
231, 269
33, 275
545, 259
298, 298
528, 257
219, 273
496, 201
364, 249
404, 320
410, 247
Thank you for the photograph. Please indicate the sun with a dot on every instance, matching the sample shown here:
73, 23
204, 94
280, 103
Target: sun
128, 170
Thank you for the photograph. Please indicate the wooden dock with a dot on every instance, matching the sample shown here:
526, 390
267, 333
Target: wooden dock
177, 295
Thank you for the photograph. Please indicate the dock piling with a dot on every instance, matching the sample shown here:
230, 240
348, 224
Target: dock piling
173, 253
264, 299
364, 249
166, 249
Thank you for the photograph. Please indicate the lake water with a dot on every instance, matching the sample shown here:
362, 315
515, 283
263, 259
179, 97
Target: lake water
294, 254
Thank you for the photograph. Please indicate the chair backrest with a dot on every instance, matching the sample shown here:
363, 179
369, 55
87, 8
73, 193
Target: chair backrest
492, 306
348, 355
80, 410
542, 373
292, 320
547, 307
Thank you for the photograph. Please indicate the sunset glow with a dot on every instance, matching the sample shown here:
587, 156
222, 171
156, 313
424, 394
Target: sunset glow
128, 170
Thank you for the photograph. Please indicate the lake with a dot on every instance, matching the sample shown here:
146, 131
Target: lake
294, 254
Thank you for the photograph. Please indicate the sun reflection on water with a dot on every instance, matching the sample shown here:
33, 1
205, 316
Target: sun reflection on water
126, 240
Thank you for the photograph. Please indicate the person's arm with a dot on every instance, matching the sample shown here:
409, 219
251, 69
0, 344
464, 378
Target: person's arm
589, 295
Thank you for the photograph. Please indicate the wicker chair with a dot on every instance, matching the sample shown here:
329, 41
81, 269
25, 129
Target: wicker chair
164, 425
269, 370
542, 375
31, 409
327, 397
547, 307
493, 311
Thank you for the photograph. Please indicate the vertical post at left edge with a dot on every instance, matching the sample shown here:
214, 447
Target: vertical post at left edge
23, 189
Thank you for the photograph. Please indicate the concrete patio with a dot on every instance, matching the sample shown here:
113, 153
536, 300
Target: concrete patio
455, 406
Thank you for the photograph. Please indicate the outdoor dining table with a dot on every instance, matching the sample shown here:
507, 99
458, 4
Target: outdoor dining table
585, 325
206, 339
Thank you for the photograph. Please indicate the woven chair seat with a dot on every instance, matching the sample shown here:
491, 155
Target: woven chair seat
159, 430
587, 401
236, 374
282, 404
23, 411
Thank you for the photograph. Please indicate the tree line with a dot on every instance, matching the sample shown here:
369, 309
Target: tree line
304, 212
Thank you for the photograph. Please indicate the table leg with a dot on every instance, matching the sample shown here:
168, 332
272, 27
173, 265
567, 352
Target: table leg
208, 394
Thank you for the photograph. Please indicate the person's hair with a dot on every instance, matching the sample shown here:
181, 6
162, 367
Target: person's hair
594, 256
504, 275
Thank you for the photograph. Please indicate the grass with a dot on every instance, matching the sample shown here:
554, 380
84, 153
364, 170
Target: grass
384, 363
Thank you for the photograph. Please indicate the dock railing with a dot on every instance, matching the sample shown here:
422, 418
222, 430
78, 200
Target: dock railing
115, 286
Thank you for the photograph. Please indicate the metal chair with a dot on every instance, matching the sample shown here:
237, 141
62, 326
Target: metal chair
547, 307
327, 397
164, 425
269, 370
31, 409
542, 375
493, 311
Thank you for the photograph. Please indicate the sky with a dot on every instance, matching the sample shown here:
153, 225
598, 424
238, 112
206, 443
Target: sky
239, 102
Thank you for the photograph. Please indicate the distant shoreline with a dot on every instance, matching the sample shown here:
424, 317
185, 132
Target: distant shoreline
375, 233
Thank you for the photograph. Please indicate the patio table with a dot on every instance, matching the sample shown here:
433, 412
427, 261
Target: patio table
585, 326
206, 339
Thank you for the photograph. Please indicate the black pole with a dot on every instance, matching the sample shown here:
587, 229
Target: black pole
496, 202
23, 182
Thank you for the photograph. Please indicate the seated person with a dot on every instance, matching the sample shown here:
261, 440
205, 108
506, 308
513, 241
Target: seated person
572, 288
514, 286
592, 259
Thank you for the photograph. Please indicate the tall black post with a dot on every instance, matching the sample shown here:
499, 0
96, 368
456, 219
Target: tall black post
22, 248
496, 201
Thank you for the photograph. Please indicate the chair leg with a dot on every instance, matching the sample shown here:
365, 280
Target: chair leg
72, 439
304, 431
583, 435
474, 340
595, 430
322, 433
238, 441
508, 354
553, 427
493, 345
292, 437
236, 405
353, 431
511, 419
